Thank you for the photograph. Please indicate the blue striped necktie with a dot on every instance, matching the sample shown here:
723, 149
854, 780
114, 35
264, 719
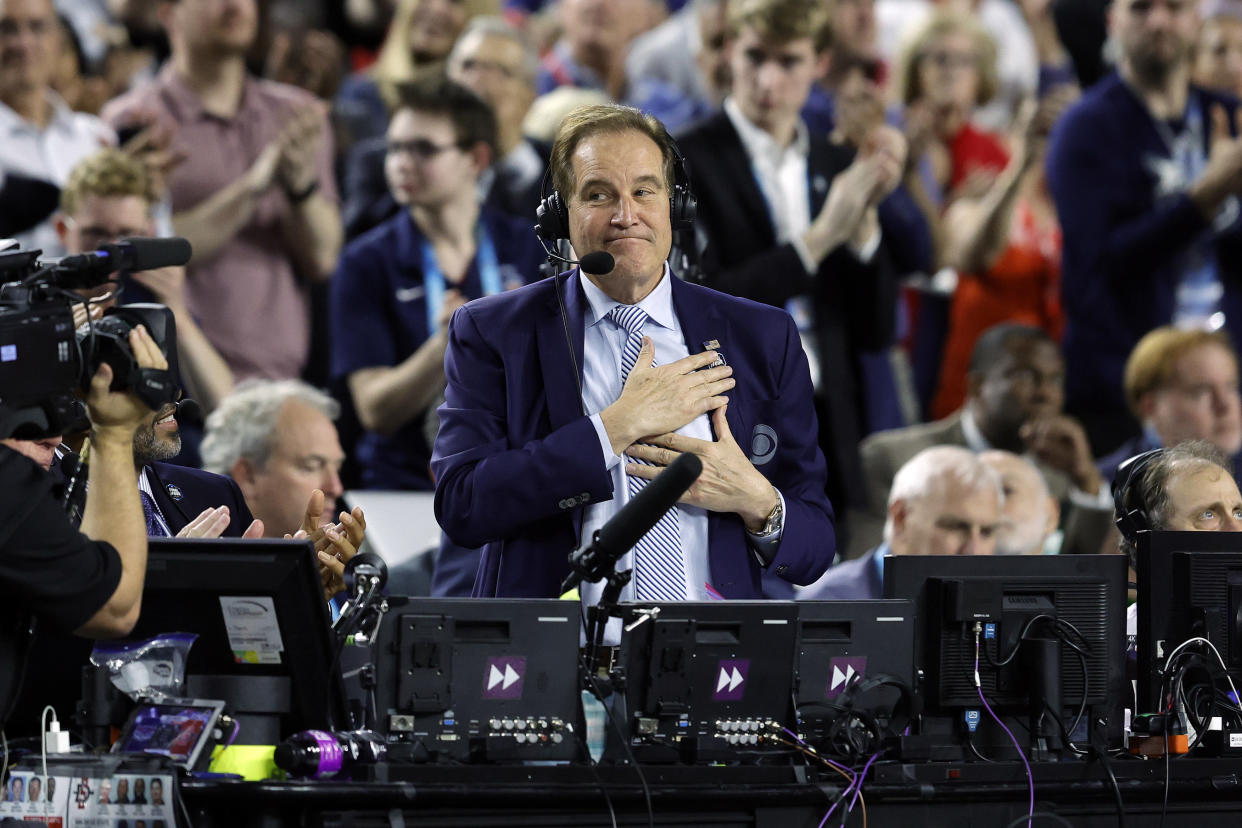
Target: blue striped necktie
155, 529
659, 565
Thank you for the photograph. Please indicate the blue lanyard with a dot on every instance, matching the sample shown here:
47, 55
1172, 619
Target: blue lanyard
433, 277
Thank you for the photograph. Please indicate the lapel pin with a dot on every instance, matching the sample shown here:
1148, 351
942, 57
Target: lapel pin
714, 345
173, 491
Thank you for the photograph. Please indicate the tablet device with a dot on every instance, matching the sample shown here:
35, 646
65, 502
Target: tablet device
177, 728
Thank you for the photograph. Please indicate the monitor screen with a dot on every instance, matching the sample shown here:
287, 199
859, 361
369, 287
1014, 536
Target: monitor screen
1047, 633
265, 642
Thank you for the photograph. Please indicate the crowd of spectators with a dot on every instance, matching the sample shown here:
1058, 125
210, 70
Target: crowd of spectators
1008, 226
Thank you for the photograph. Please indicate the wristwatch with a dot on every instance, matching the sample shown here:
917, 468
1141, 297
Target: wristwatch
775, 519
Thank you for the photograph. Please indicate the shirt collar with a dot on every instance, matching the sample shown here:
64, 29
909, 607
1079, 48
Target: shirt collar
975, 441
658, 304
759, 143
62, 115
187, 104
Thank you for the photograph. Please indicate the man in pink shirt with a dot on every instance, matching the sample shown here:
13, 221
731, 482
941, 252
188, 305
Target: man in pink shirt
255, 194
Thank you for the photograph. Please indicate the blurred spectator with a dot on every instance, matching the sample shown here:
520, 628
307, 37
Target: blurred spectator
417, 44
801, 230
947, 71
1015, 400
1145, 172
595, 38
1005, 245
397, 286
1016, 71
255, 195
493, 60
853, 28
1182, 385
1031, 513
546, 113
944, 501
108, 197
1218, 49
278, 443
308, 58
41, 138
685, 55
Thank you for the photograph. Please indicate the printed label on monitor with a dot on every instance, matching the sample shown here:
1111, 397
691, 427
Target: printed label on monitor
504, 677
841, 672
254, 634
731, 679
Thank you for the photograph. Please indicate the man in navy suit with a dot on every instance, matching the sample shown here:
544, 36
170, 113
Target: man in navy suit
944, 501
528, 460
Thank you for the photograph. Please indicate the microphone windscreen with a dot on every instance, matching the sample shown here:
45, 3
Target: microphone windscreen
599, 263
637, 517
189, 412
149, 254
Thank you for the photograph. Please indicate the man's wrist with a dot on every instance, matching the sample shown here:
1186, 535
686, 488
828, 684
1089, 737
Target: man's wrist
614, 424
755, 514
112, 436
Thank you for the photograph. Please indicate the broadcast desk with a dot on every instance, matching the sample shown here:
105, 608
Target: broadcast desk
1202, 792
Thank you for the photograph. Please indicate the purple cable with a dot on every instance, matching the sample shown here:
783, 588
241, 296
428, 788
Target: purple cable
1030, 779
862, 776
852, 776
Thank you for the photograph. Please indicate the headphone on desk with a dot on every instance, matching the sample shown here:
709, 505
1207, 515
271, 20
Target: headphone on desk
1130, 511
552, 214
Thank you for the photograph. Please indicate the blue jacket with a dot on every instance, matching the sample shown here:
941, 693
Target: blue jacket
516, 460
1123, 238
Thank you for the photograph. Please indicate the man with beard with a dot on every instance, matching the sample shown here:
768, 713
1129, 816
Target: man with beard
1145, 171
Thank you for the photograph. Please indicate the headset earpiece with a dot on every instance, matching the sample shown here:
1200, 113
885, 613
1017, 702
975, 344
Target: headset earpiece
1130, 512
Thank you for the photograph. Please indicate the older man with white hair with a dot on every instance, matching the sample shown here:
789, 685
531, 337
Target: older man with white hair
944, 501
1030, 513
277, 440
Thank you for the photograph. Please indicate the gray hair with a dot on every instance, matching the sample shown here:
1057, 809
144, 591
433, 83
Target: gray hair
495, 26
244, 424
933, 467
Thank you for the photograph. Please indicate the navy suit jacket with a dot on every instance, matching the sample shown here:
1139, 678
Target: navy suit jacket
183, 493
854, 580
516, 459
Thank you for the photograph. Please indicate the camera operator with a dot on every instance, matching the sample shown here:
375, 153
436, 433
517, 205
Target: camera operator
88, 582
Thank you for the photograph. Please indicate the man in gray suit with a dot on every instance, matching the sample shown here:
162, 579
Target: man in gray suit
944, 501
1016, 394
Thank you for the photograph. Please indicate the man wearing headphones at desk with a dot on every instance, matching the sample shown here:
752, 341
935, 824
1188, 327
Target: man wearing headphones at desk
565, 396
1184, 488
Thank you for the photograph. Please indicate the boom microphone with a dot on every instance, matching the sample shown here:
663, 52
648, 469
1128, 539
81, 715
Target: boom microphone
599, 263
635, 519
131, 254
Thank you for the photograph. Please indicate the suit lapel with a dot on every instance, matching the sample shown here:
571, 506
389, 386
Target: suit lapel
562, 391
701, 323
736, 163
173, 514
555, 361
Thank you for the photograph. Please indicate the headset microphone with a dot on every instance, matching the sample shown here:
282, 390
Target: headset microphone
598, 263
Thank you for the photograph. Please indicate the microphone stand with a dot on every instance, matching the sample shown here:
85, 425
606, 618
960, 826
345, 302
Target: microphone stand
598, 615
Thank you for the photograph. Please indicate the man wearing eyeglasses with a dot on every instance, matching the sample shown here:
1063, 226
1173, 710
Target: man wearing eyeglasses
398, 284
40, 137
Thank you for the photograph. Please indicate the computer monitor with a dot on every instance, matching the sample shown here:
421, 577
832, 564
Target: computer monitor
467, 680
1206, 602
703, 679
1055, 625
840, 642
265, 644
1156, 634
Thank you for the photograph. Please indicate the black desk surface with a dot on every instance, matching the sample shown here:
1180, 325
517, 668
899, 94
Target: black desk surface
1202, 792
